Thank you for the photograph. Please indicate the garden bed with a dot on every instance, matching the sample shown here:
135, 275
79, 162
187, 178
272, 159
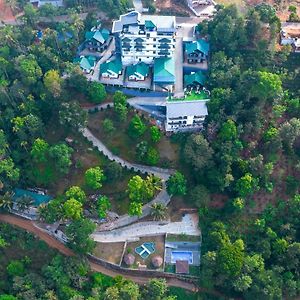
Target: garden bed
182, 238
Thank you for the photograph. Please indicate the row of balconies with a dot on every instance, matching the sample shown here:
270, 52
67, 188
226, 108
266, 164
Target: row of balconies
146, 54
148, 47
179, 119
133, 37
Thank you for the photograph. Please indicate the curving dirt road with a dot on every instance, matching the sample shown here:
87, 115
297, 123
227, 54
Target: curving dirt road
53, 243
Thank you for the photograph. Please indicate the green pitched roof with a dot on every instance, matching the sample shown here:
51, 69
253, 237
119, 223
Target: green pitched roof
140, 68
149, 24
139, 40
126, 39
164, 68
197, 77
200, 45
113, 66
164, 40
86, 62
99, 35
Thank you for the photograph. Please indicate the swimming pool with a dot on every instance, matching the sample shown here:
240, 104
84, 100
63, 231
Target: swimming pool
182, 255
145, 249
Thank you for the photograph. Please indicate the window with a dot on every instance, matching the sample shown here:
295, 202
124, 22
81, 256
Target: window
154, 52
154, 40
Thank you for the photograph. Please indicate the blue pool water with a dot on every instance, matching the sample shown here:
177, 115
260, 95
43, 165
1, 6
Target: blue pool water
182, 255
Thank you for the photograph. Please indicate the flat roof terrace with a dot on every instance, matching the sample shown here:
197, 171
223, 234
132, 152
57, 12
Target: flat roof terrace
202, 95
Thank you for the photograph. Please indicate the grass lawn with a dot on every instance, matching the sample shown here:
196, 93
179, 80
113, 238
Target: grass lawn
182, 294
159, 250
239, 3
193, 96
121, 144
111, 252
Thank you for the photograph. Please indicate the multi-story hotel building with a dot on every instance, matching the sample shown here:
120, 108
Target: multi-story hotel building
144, 38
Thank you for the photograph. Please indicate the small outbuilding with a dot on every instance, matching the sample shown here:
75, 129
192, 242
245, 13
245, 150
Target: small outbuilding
111, 69
157, 261
197, 51
86, 63
138, 72
129, 259
182, 267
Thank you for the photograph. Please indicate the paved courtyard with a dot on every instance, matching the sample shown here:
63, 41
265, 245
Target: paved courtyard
188, 225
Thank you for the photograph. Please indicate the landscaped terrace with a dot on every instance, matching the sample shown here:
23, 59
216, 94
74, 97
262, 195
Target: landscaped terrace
201, 95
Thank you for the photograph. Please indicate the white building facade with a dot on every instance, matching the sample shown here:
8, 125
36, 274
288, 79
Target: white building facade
185, 115
143, 38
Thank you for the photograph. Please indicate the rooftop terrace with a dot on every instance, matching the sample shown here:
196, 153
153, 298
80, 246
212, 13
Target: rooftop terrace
202, 95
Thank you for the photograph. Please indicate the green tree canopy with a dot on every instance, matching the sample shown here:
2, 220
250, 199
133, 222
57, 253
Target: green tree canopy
73, 209
176, 184
94, 178
77, 193
96, 92
79, 232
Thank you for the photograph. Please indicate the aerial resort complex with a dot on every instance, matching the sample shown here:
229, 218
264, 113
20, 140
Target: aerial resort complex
149, 149
152, 56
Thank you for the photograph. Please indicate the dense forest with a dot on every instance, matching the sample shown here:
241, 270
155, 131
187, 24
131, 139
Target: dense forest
111, 8
30, 270
242, 171
245, 166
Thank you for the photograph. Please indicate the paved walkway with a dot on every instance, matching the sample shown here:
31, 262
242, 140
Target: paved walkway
188, 226
164, 174
138, 5
179, 69
105, 56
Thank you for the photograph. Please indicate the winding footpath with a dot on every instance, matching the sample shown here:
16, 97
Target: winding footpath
163, 197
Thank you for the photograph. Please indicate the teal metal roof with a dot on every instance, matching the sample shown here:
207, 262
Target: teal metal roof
197, 77
37, 198
140, 68
164, 70
149, 24
86, 62
99, 35
114, 66
200, 45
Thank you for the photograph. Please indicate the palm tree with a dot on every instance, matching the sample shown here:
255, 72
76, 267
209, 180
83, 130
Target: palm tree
155, 182
24, 202
6, 201
158, 211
